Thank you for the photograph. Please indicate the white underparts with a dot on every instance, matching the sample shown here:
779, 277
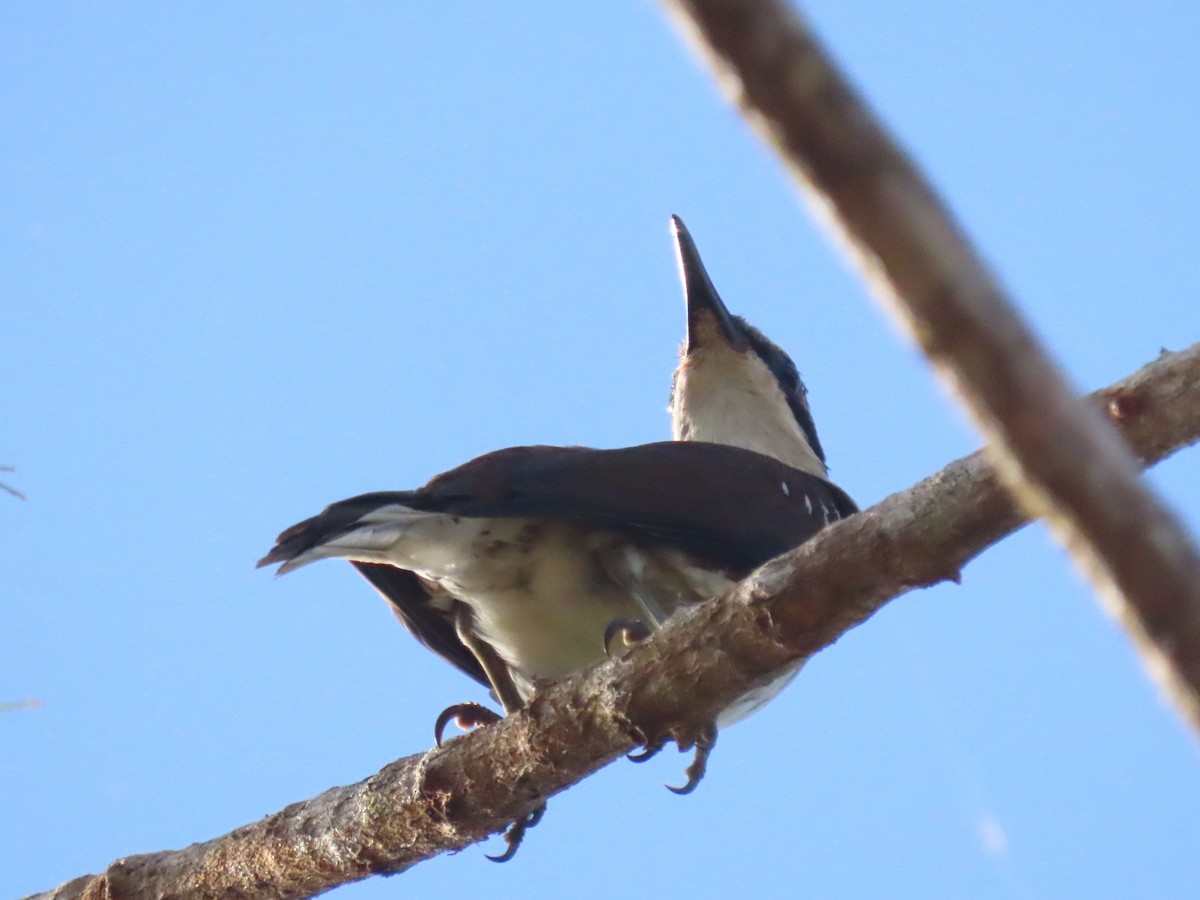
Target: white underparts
726, 397
542, 592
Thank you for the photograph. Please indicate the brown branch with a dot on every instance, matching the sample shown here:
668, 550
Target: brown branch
446, 799
1054, 452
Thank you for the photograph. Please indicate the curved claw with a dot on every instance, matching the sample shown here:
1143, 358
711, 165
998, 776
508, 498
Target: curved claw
466, 716
649, 751
629, 630
705, 741
516, 834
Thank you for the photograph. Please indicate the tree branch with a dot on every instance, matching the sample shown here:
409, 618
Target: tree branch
446, 799
1055, 453
7, 488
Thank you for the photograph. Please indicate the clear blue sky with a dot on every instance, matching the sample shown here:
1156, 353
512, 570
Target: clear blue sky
259, 257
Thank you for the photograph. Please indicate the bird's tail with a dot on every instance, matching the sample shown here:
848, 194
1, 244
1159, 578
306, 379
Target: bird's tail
362, 529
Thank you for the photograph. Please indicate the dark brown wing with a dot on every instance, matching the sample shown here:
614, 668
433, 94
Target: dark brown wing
414, 607
732, 505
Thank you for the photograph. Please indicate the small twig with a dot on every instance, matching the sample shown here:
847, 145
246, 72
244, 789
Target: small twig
32, 703
1058, 457
8, 489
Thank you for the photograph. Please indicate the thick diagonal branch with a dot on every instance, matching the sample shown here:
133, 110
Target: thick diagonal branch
1054, 452
424, 805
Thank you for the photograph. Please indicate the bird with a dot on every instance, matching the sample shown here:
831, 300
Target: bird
520, 565
733, 385
538, 549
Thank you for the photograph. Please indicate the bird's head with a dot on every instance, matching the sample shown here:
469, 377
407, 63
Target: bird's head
733, 385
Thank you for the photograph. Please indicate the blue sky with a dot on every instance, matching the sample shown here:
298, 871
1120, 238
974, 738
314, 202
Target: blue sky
260, 258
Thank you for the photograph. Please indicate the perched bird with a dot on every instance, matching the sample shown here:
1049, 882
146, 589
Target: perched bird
517, 566
733, 386
520, 566
516, 562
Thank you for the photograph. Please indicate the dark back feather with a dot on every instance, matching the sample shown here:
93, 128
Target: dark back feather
723, 503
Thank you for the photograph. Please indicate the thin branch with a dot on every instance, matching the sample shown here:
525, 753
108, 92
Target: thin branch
446, 799
1055, 453
8, 489
32, 703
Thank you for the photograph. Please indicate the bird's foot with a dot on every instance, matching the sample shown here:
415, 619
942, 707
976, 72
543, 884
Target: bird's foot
516, 833
702, 738
466, 716
646, 751
630, 631
474, 715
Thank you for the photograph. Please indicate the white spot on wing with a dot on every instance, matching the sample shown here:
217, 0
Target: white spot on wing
786, 490
808, 504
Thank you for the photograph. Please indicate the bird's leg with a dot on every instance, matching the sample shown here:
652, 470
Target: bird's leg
686, 735
472, 715
647, 603
516, 833
626, 567
703, 738
466, 716
493, 666
631, 631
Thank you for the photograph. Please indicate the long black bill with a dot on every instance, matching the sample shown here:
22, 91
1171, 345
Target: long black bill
708, 319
